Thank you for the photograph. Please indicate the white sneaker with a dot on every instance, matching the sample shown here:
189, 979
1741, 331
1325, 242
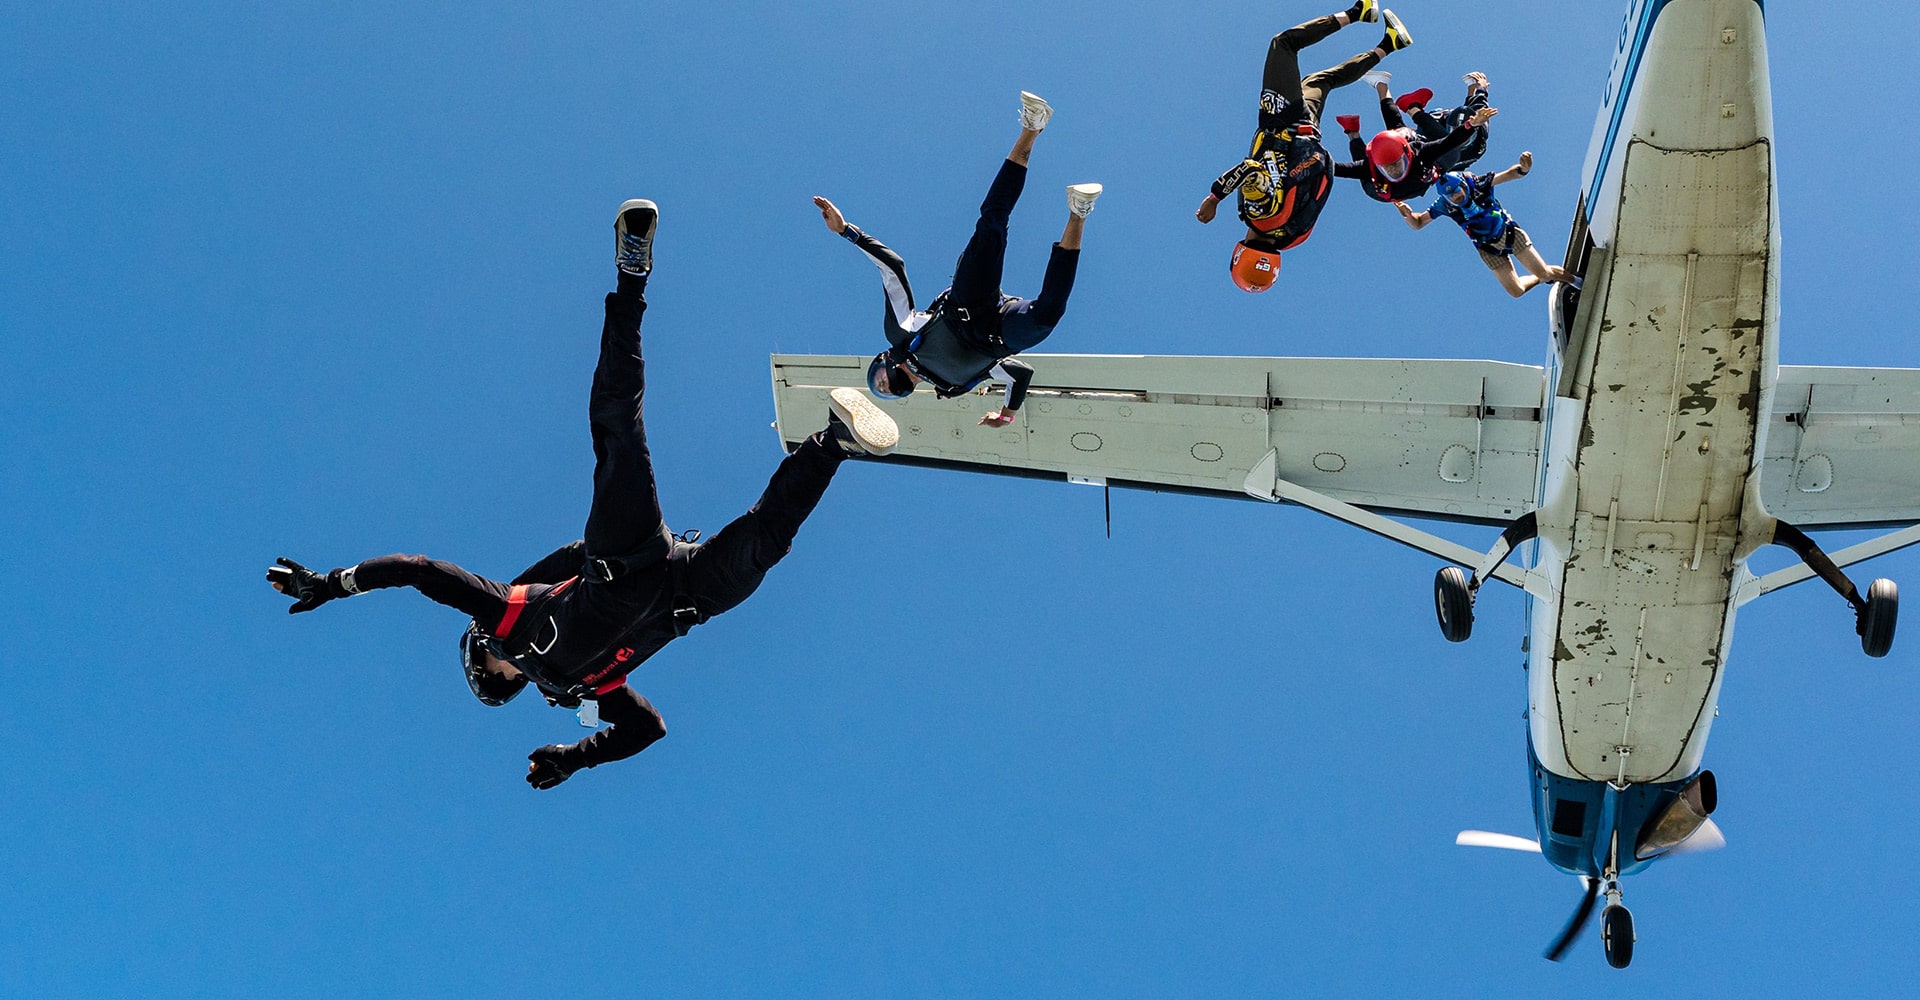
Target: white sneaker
868, 426
1376, 77
1034, 112
1080, 198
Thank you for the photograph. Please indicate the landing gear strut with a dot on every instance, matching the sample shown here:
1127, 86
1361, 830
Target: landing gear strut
1454, 592
1874, 615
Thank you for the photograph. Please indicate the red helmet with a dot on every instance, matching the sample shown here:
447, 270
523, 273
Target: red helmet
1254, 270
1391, 154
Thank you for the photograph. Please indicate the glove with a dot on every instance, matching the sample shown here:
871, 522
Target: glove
308, 589
551, 765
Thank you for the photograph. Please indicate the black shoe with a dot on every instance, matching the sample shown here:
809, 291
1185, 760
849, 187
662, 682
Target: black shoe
1364, 10
633, 236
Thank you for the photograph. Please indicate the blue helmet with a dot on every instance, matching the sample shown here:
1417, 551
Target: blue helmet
1449, 183
887, 378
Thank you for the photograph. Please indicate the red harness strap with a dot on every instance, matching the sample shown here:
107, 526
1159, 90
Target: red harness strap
610, 686
516, 603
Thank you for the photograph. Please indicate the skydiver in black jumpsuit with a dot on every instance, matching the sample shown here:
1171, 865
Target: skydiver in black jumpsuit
577, 622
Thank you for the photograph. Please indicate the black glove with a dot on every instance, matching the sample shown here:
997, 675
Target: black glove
552, 764
308, 589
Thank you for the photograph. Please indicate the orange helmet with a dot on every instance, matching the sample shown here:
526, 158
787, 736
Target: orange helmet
1254, 270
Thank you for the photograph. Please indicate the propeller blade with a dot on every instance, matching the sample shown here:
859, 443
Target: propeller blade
1577, 924
1504, 841
1707, 838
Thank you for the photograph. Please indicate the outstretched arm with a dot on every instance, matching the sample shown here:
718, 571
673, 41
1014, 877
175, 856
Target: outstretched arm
440, 581
1517, 170
636, 725
1223, 186
893, 270
1018, 374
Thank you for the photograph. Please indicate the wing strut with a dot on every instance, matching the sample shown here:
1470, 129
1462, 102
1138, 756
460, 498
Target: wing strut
1366, 520
1893, 541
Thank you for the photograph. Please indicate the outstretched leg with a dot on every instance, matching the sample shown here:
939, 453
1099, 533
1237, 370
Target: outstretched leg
1530, 259
624, 521
1282, 99
1024, 323
976, 276
728, 567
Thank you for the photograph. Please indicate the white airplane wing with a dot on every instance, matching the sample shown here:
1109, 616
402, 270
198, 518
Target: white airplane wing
1842, 448
1458, 440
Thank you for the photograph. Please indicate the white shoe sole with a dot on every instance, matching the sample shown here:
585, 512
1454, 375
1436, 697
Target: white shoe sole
875, 432
1080, 198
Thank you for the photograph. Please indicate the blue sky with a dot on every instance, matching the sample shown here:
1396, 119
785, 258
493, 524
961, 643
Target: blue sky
325, 283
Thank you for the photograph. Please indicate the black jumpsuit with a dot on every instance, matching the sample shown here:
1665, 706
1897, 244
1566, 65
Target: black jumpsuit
589, 613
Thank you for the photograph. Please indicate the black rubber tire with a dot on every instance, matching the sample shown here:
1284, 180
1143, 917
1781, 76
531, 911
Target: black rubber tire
1616, 934
1883, 610
1453, 604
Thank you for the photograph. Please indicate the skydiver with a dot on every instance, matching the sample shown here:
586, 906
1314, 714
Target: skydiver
1400, 163
1284, 180
577, 622
1468, 200
971, 331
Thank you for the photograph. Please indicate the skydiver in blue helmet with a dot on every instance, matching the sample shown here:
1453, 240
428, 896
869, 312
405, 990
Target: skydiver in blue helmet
579, 621
1468, 199
971, 332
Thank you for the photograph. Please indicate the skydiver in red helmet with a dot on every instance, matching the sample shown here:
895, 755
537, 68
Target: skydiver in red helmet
1286, 177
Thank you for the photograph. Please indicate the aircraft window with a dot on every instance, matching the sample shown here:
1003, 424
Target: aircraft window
1569, 818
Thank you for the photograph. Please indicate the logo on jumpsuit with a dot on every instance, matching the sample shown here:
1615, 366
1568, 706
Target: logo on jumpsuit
622, 655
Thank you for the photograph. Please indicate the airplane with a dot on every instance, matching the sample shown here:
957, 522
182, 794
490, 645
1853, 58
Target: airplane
1659, 448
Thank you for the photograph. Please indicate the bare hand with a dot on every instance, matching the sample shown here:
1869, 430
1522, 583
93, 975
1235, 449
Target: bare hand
836, 222
1405, 211
1207, 207
1481, 117
1476, 82
998, 418
1526, 161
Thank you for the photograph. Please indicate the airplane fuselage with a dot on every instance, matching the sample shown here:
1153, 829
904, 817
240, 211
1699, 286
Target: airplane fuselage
1648, 503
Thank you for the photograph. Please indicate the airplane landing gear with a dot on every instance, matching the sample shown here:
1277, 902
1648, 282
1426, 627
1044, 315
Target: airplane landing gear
1454, 592
1874, 615
1453, 597
1616, 931
1878, 616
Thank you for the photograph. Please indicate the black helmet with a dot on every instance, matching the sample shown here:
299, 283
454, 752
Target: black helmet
488, 686
887, 378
